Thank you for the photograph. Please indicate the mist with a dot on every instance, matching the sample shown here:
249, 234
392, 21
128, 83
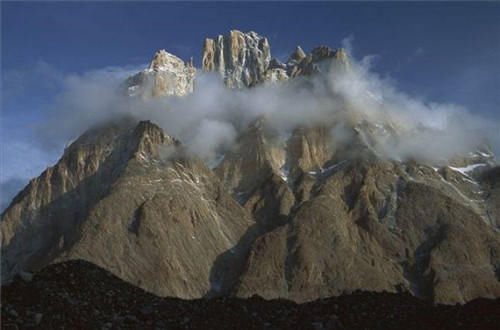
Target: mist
210, 119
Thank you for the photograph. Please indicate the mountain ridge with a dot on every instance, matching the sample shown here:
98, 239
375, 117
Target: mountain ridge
303, 216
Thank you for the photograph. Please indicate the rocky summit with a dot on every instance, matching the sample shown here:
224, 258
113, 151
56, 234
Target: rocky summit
167, 75
302, 217
244, 60
125, 198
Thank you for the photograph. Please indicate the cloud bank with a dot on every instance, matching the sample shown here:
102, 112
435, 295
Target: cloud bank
213, 116
210, 119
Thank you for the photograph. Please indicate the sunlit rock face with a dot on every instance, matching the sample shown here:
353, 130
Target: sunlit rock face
124, 197
244, 60
167, 75
297, 55
241, 58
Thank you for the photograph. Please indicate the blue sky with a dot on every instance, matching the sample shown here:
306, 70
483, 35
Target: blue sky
442, 52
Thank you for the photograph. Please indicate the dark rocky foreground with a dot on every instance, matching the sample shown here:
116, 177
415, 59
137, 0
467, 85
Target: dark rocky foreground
79, 295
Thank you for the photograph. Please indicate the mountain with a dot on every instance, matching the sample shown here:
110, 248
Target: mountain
124, 197
301, 217
345, 222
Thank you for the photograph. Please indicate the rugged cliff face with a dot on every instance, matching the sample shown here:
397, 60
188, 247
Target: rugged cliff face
339, 218
125, 198
302, 216
167, 75
380, 226
241, 58
244, 60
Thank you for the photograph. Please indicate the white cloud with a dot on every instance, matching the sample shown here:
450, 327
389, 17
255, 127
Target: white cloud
212, 117
347, 44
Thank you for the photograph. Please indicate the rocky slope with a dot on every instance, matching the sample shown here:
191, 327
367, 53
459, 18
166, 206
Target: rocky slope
301, 217
343, 220
126, 199
79, 295
372, 225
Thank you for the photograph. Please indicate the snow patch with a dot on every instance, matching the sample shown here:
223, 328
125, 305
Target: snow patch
328, 169
480, 153
471, 181
466, 169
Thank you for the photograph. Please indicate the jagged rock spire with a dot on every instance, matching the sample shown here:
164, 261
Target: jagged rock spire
297, 55
241, 58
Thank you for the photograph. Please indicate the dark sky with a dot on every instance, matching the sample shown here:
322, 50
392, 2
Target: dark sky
446, 52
